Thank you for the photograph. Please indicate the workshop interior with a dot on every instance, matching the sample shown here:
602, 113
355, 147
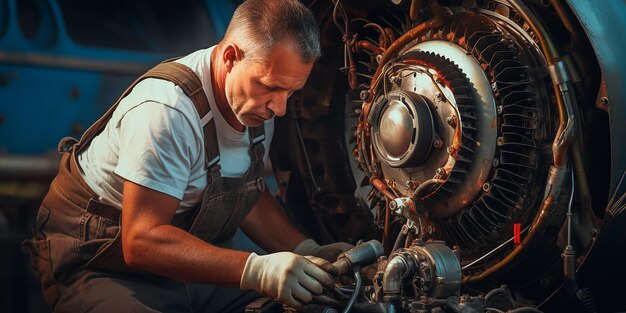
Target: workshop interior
473, 150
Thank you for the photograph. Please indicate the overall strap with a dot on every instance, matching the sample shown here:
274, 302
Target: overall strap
257, 136
188, 81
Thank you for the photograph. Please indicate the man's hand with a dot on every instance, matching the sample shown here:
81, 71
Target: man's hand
328, 252
286, 277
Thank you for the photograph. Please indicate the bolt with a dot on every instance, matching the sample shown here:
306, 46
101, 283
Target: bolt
440, 280
438, 143
393, 205
438, 96
396, 207
486, 187
410, 184
500, 109
441, 171
378, 58
495, 162
364, 94
451, 120
500, 141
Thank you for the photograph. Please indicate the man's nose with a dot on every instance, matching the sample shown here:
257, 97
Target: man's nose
278, 105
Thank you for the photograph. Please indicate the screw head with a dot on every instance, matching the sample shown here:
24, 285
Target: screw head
451, 120
495, 162
500, 141
393, 205
364, 94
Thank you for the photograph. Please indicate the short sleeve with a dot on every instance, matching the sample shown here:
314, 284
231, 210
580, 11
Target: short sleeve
157, 148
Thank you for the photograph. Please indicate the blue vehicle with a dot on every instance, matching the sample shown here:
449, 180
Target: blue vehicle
63, 63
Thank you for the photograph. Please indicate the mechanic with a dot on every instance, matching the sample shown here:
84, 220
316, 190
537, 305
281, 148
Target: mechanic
142, 213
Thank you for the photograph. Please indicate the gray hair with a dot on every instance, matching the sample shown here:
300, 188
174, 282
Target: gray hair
257, 25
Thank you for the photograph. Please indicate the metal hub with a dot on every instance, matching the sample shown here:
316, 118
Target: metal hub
403, 132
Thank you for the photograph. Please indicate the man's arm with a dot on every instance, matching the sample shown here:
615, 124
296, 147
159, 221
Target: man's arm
150, 243
269, 227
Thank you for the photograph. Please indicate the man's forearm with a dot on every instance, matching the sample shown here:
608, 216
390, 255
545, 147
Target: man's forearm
169, 251
269, 227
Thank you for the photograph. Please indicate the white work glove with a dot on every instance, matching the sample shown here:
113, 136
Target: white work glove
284, 276
328, 252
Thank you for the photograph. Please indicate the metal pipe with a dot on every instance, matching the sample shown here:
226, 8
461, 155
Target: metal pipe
396, 268
372, 48
560, 81
380, 186
567, 128
547, 46
418, 194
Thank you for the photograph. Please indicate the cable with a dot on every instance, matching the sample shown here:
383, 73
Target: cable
357, 287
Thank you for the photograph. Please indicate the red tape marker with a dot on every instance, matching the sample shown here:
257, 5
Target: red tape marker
517, 238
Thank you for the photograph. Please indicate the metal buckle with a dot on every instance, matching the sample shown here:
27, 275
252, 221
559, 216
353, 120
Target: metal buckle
260, 184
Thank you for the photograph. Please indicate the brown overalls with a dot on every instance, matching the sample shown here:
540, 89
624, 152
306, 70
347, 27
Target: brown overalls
77, 249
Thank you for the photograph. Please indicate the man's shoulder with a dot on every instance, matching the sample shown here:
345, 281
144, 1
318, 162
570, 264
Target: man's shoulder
161, 91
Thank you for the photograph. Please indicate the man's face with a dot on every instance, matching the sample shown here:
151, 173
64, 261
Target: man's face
258, 90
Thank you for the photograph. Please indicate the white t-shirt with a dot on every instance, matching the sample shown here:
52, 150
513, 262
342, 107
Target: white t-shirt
155, 139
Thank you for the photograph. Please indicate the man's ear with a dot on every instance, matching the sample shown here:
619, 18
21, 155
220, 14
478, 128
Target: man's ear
231, 56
